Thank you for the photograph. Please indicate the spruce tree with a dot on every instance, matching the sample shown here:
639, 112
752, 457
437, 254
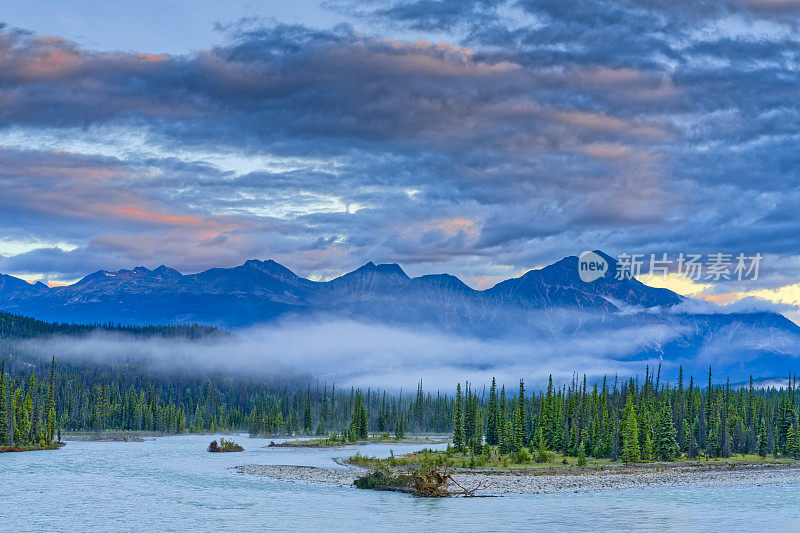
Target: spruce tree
20, 418
521, 435
399, 428
762, 440
493, 417
470, 412
582, 455
321, 429
307, 420
3, 407
689, 439
630, 435
666, 447
791, 442
419, 408
516, 432
477, 444
458, 422
647, 445
358, 421
507, 440
50, 427
547, 416
542, 455
712, 447
572, 447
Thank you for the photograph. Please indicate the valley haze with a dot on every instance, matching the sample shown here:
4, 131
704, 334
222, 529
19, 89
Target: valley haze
377, 325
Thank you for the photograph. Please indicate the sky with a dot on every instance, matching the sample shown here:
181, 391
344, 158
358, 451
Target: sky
475, 137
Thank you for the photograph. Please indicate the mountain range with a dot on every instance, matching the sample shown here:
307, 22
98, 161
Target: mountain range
551, 304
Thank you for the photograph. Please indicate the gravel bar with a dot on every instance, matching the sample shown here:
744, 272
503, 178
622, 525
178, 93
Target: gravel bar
573, 480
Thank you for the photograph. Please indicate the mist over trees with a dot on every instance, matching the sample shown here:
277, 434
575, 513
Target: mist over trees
619, 419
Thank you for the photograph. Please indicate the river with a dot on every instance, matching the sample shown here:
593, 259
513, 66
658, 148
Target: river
174, 484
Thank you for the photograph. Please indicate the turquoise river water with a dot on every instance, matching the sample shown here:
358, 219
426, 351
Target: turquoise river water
174, 484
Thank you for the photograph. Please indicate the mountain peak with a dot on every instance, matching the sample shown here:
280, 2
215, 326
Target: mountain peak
271, 268
392, 269
100, 274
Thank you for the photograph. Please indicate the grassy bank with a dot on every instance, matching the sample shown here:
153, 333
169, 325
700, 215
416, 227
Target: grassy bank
491, 461
53, 446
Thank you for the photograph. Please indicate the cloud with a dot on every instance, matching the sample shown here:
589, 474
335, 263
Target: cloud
630, 126
739, 304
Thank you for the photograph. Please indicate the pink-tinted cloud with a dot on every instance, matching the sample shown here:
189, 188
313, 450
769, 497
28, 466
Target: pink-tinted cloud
138, 213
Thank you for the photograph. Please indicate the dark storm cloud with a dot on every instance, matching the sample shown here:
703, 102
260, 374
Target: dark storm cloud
542, 129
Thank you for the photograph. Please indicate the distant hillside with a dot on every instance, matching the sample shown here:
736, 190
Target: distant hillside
22, 327
550, 304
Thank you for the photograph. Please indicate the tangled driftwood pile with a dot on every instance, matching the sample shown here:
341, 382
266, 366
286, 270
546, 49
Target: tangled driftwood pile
424, 482
437, 483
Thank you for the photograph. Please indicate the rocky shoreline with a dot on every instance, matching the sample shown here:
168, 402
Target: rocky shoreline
304, 474
571, 480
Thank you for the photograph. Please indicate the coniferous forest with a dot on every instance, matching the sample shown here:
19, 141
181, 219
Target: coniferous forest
622, 419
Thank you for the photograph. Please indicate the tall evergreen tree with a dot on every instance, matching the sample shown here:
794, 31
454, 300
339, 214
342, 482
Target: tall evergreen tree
516, 440
358, 423
477, 441
493, 417
666, 445
419, 407
762, 440
630, 434
50, 407
470, 412
399, 428
547, 417
647, 445
3, 406
791, 442
582, 455
458, 422
520, 431
307, 420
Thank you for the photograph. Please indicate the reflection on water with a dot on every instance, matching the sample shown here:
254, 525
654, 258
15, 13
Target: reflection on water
173, 484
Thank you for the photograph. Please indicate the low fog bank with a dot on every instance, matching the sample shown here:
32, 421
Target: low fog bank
749, 304
348, 353
214, 355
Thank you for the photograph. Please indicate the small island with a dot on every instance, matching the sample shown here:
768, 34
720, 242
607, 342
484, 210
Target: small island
224, 446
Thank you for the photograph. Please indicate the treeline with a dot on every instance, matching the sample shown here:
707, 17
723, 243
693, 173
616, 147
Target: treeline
631, 421
628, 420
86, 399
21, 327
28, 417
352, 414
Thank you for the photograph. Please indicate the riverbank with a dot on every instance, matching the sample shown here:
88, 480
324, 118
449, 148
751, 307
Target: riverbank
305, 474
710, 474
12, 449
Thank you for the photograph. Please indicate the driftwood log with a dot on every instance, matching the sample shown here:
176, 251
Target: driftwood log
438, 483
